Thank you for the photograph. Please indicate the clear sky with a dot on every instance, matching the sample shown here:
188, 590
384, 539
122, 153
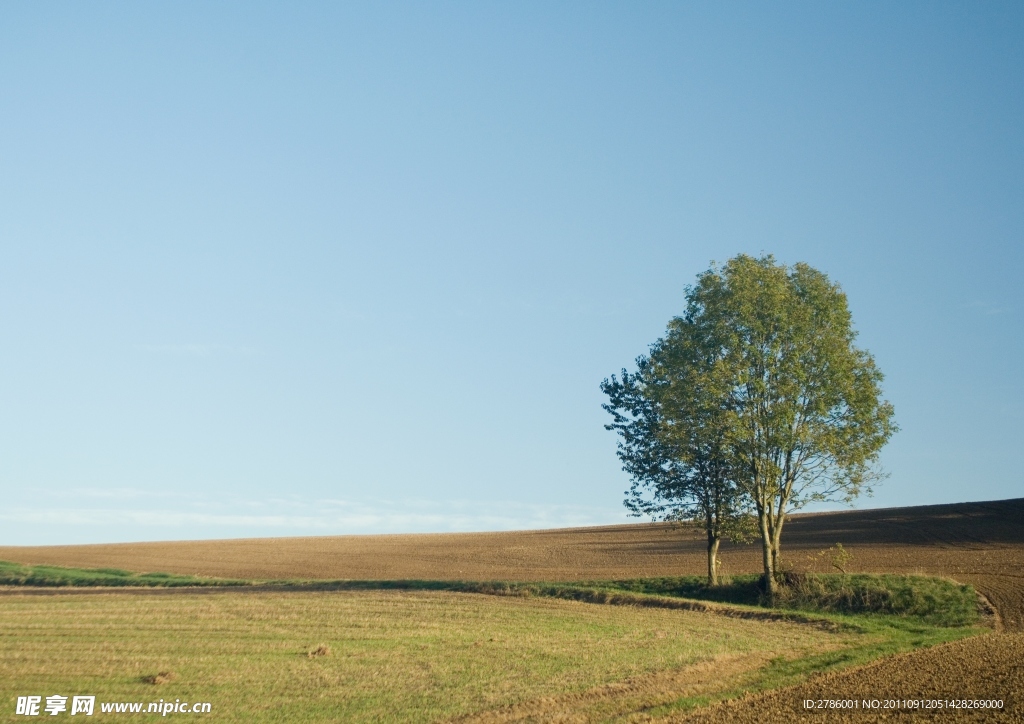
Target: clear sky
308, 269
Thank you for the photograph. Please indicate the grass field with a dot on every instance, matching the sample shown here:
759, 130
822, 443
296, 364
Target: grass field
394, 656
411, 655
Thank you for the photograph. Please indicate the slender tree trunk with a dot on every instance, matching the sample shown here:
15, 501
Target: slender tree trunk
777, 543
779, 520
767, 555
713, 541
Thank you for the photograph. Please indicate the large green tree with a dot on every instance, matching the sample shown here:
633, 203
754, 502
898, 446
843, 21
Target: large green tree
806, 416
763, 369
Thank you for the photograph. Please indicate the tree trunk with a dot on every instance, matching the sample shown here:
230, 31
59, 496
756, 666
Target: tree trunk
776, 553
779, 520
767, 552
713, 541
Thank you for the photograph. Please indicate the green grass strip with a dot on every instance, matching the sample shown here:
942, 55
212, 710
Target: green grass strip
17, 574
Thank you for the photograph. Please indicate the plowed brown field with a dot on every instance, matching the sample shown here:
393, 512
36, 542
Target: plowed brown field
977, 543
982, 668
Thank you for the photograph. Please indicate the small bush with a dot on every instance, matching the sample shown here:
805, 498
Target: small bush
836, 557
934, 600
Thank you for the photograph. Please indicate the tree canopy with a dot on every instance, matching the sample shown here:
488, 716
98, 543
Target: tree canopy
757, 385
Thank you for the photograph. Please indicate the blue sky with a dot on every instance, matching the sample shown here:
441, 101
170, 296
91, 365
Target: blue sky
302, 269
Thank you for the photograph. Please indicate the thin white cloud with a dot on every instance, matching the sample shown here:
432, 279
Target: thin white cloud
316, 516
194, 350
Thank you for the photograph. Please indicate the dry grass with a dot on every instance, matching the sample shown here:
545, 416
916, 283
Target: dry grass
624, 699
396, 656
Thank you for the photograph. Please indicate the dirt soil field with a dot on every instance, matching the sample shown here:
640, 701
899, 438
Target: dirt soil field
977, 543
985, 667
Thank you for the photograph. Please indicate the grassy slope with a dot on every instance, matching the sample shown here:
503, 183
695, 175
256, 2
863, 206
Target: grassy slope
395, 655
854, 619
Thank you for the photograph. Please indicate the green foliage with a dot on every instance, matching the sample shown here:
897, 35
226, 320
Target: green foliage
759, 376
675, 457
